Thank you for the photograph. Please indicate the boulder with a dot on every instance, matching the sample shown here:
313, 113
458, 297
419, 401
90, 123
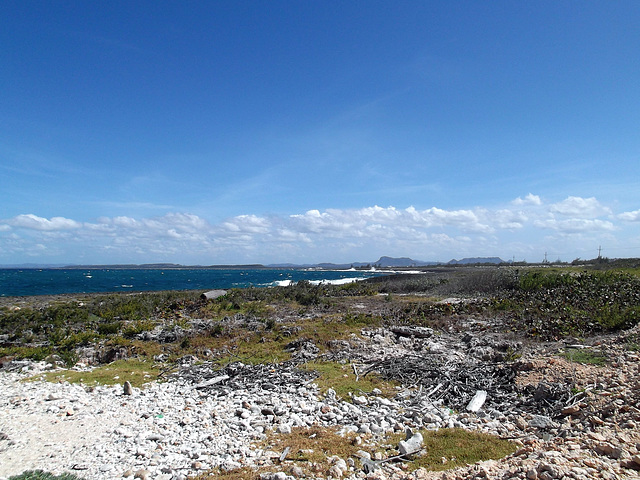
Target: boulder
411, 445
213, 294
127, 389
477, 401
412, 331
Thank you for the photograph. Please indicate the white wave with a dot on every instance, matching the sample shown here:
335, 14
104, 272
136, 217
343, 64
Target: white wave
410, 272
338, 281
283, 283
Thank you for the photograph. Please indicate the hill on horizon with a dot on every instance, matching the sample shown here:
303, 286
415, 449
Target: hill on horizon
382, 262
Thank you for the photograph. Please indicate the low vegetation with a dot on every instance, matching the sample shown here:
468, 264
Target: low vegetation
556, 304
346, 381
42, 475
261, 324
584, 356
455, 447
135, 337
136, 372
311, 449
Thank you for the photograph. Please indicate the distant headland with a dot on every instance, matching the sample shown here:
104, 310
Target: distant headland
382, 262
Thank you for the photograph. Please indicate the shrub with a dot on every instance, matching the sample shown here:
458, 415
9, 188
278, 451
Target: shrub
110, 328
137, 327
584, 356
33, 353
553, 304
42, 475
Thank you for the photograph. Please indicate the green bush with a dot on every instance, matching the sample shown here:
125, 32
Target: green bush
109, 328
138, 327
42, 475
532, 281
553, 304
584, 356
33, 353
362, 320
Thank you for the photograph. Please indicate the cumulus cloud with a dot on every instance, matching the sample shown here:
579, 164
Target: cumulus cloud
247, 224
576, 225
529, 199
633, 216
506, 219
126, 222
429, 233
580, 207
33, 222
359, 220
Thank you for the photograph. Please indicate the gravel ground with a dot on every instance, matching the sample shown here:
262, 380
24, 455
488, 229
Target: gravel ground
172, 430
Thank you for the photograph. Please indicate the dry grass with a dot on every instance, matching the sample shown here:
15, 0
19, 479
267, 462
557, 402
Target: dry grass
343, 380
268, 343
137, 372
455, 447
312, 448
313, 445
243, 473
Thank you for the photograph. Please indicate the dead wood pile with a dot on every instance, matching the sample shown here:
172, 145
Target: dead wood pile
454, 384
237, 375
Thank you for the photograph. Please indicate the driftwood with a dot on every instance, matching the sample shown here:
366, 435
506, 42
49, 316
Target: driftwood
455, 383
412, 331
274, 377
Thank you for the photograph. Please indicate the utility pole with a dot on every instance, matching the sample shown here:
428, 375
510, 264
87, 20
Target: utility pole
545, 258
599, 252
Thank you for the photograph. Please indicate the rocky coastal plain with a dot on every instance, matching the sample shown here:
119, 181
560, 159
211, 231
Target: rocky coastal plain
565, 419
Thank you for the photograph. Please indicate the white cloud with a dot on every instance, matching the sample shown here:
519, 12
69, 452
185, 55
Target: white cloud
326, 235
247, 224
331, 222
33, 222
576, 225
358, 221
126, 222
465, 219
507, 219
630, 216
530, 199
580, 207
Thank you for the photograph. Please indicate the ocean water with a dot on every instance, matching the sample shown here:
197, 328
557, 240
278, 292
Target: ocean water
20, 282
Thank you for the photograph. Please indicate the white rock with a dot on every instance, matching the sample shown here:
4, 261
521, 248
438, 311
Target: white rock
411, 445
477, 401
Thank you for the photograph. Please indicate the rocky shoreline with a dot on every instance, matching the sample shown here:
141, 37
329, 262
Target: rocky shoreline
204, 418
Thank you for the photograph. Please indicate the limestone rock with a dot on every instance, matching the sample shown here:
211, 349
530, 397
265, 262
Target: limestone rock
127, 389
477, 401
412, 445
141, 474
542, 421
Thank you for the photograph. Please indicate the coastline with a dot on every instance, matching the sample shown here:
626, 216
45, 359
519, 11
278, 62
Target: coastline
54, 281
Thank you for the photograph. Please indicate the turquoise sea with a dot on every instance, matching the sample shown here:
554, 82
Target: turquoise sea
20, 282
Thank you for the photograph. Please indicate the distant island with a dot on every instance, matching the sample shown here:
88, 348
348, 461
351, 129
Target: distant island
382, 262
393, 262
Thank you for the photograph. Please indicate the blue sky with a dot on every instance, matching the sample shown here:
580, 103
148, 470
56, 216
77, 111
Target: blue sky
308, 131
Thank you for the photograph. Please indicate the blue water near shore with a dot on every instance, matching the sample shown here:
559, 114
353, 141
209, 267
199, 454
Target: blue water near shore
21, 282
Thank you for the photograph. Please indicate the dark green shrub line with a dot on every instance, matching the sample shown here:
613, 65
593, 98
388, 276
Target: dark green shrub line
42, 475
555, 304
543, 303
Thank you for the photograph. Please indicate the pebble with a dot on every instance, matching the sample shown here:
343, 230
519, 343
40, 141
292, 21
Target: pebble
171, 430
